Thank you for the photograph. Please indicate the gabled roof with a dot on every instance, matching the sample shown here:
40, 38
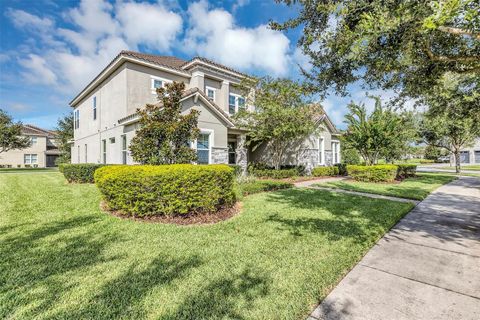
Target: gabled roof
166, 63
193, 92
29, 129
322, 116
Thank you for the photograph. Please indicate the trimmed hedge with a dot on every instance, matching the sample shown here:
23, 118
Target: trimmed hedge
377, 173
80, 172
406, 170
257, 186
275, 174
166, 189
325, 171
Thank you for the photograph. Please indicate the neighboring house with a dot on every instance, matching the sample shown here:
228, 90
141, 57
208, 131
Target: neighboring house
42, 152
105, 119
470, 155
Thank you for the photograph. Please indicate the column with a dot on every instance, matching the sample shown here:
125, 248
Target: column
241, 153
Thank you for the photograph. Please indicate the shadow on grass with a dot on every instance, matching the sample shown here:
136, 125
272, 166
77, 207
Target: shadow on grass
344, 216
219, 298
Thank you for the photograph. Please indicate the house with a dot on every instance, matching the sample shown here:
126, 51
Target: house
41, 153
105, 119
469, 155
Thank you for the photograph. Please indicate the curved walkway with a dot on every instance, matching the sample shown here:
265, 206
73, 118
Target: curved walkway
426, 267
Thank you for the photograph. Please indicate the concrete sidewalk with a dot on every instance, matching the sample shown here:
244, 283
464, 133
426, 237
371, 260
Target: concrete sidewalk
426, 267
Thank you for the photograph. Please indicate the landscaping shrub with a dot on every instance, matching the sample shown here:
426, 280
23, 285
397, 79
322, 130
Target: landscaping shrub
262, 170
256, 186
377, 173
166, 189
325, 171
406, 170
342, 168
237, 170
80, 173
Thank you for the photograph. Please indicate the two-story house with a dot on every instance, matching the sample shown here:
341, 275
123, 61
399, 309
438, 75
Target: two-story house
105, 119
42, 152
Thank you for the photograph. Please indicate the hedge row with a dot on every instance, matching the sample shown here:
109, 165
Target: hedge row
275, 174
257, 186
79, 173
406, 170
377, 173
166, 190
325, 171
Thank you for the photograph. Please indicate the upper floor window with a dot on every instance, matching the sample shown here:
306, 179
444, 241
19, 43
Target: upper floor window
210, 93
94, 108
76, 119
33, 140
235, 103
156, 83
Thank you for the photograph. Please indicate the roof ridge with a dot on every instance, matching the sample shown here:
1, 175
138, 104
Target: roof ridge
214, 63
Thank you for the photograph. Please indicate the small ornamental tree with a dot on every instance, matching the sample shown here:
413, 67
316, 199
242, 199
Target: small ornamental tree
282, 117
64, 131
11, 134
165, 134
383, 133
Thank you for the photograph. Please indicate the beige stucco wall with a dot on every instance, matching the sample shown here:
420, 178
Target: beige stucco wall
16, 157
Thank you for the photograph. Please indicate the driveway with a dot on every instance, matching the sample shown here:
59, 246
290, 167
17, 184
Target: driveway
426, 267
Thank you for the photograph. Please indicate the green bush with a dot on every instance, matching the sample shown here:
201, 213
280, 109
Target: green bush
237, 170
166, 189
256, 186
79, 173
377, 173
406, 170
325, 171
275, 174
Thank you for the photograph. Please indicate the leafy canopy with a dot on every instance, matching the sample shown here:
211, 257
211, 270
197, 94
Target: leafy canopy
64, 134
406, 45
11, 134
383, 133
282, 115
165, 133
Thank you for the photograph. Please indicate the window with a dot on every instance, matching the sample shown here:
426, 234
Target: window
156, 83
235, 103
321, 151
124, 149
232, 156
112, 140
86, 159
78, 154
464, 157
477, 156
94, 108
76, 119
33, 140
104, 151
336, 151
203, 148
210, 93
30, 158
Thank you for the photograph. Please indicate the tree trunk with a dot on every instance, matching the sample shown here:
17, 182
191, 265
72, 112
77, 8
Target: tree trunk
457, 160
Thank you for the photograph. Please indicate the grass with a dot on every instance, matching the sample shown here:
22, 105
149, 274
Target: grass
417, 188
474, 167
247, 186
63, 258
27, 169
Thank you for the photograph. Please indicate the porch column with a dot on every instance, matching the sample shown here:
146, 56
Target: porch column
241, 153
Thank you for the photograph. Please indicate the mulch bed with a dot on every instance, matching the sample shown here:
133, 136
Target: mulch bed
222, 214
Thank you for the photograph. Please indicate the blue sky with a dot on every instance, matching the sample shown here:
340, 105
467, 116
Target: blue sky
50, 49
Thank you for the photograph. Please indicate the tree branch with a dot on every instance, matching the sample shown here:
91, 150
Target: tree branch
459, 31
434, 57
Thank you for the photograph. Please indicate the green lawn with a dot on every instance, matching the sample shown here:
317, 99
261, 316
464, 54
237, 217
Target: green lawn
10, 170
62, 258
474, 167
416, 188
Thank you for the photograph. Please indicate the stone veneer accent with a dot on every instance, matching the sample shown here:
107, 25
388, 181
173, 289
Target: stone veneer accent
309, 159
328, 158
241, 153
219, 155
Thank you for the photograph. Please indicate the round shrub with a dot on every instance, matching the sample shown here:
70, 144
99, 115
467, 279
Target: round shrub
377, 173
406, 170
146, 190
325, 171
79, 172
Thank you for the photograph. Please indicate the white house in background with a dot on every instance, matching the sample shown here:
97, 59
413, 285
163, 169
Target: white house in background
105, 119
41, 153
470, 155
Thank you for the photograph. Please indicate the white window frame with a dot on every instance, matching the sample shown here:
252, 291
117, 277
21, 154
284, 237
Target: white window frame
86, 153
152, 83
33, 140
336, 151
28, 158
76, 118
95, 108
124, 149
321, 148
237, 105
210, 133
104, 151
212, 89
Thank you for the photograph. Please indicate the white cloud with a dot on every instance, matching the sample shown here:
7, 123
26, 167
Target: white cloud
23, 19
39, 71
152, 25
213, 33
94, 16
